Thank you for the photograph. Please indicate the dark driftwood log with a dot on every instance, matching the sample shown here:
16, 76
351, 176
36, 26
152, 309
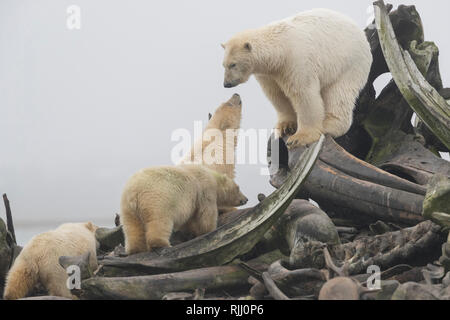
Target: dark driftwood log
412, 160
226, 242
354, 198
9, 219
421, 96
354, 188
415, 246
336, 157
157, 286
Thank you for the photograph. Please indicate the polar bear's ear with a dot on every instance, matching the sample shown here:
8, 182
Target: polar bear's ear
220, 178
90, 226
248, 46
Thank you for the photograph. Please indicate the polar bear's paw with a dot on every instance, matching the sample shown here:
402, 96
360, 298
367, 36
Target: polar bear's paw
303, 137
285, 128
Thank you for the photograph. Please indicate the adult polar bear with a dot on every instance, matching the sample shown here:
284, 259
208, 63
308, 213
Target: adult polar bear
311, 66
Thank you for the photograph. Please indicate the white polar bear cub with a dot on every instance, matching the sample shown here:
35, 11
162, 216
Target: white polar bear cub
39, 260
311, 66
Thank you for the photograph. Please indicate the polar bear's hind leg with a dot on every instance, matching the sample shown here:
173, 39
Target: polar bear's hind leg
158, 232
309, 106
134, 233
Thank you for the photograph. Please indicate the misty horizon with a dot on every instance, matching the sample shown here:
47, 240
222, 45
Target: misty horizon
83, 110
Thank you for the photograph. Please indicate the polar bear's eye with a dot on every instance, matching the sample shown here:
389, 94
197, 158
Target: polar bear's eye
233, 65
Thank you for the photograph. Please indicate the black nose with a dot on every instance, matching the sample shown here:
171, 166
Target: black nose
244, 201
235, 100
228, 85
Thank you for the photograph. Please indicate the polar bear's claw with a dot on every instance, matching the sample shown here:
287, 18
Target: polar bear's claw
285, 128
303, 137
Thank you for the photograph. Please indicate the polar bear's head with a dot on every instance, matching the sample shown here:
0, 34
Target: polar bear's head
228, 115
228, 192
237, 62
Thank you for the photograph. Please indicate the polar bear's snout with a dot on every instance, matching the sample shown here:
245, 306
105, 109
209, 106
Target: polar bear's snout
230, 84
235, 100
236, 74
243, 200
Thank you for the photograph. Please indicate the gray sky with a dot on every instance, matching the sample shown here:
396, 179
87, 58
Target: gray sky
82, 110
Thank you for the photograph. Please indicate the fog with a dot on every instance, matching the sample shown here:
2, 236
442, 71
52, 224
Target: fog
82, 110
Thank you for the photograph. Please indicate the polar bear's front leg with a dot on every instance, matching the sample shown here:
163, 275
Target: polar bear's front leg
206, 219
309, 106
287, 118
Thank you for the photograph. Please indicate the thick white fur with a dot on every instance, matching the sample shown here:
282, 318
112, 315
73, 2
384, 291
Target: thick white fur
39, 260
311, 66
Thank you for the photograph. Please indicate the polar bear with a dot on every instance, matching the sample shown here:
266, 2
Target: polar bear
311, 66
221, 135
159, 200
39, 260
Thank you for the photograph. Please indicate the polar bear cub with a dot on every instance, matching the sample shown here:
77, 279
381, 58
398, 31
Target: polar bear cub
159, 200
39, 260
311, 66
